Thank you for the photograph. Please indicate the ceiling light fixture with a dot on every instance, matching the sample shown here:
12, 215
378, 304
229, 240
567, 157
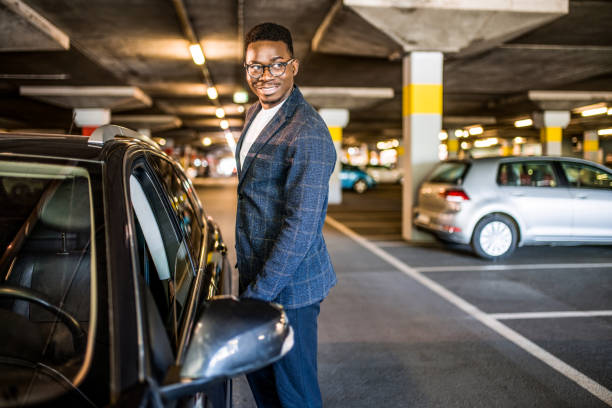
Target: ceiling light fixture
229, 137
523, 123
212, 92
443, 135
595, 111
241, 97
224, 124
197, 54
240, 109
220, 113
206, 141
476, 130
604, 132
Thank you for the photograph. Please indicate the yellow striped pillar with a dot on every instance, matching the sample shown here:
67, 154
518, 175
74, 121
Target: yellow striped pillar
506, 148
551, 124
452, 144
590, 145
336, 120
422, 122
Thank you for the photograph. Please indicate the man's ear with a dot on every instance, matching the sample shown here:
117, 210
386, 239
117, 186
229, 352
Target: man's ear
296, 66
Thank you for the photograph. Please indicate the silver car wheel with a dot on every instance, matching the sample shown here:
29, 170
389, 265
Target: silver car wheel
495, 238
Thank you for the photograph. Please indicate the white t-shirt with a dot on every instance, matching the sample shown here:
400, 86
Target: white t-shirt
259, 122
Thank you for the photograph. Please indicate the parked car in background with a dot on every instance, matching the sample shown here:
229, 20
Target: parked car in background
384, 174
497, 204
109, 280
352, 177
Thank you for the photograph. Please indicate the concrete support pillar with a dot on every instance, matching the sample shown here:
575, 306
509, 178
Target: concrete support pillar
452, 143
506, 147
91, 119
336, 120
551, 124
422, 122
591, 145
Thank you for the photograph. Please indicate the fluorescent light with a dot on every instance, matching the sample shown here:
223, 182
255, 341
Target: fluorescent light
224, 124
519, 140
230, 141
240, 109
595, 111
197, 54
604, 132
476, 130
443, 135
241, 97
466, 133
465, 145
486, 142
206, 141
459, 133
610, 111
212, 92
220, 113
523, 123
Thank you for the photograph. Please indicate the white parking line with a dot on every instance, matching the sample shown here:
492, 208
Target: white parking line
582, 380
506, 267
550, 315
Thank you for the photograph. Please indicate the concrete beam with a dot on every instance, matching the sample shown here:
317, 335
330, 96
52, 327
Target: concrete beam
567, 100
116, 98
23, 29
345, 97
155, 123
456, 26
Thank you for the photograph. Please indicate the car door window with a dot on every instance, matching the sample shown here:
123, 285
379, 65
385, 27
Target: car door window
181, 196
584, 176
164, 257
532, 174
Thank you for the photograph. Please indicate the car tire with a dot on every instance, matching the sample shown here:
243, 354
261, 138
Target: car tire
495, 237
360, 186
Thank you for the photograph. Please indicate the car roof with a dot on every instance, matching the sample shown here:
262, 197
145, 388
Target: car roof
58, 146
497, 159
49, 145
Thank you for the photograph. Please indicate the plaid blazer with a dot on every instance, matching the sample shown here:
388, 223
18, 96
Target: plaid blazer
282, 202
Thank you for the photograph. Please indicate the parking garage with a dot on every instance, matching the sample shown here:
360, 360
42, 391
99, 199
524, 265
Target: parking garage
401, 85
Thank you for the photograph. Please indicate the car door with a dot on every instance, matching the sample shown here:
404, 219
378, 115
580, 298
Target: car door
533, 189
591, 190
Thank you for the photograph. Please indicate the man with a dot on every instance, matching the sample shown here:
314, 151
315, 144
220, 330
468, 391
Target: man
285, 157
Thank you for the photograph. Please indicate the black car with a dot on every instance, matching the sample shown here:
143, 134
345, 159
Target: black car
115, 289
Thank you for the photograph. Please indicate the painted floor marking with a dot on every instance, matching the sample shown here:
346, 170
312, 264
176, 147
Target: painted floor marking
506, 267
565, 369
550, 315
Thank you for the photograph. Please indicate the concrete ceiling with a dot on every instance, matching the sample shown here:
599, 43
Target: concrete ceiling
141, 45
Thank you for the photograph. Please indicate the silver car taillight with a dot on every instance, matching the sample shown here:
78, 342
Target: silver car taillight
454, 195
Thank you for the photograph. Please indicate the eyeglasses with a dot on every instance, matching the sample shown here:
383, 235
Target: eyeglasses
275, 69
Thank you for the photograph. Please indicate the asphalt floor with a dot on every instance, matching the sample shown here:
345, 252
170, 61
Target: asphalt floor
433, 326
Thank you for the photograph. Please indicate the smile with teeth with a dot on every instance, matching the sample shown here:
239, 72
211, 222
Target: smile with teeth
268, 89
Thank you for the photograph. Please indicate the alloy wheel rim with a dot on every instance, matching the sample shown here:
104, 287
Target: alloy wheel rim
495, 238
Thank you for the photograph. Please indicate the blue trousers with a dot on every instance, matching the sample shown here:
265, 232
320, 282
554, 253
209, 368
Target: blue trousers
292, 381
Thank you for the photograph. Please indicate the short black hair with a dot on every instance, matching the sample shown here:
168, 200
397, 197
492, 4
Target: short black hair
269, 32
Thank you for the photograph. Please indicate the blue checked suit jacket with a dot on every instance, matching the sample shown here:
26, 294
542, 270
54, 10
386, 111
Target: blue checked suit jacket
282, 202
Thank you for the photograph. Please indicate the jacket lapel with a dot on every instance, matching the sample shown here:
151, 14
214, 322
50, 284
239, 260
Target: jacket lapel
250, 116
285, 112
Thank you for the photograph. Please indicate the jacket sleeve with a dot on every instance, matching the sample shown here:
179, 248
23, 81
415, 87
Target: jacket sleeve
306, 189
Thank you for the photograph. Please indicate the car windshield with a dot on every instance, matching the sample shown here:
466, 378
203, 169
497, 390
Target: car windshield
45, 272
450, 172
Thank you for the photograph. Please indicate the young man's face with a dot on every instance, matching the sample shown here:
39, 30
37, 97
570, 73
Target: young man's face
270, 89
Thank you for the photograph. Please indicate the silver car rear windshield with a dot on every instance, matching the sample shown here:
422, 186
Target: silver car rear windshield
450, 173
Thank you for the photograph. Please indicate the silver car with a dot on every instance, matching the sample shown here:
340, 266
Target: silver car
497, 204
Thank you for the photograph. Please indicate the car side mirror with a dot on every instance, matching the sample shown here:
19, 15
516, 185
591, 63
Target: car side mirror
230, 337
